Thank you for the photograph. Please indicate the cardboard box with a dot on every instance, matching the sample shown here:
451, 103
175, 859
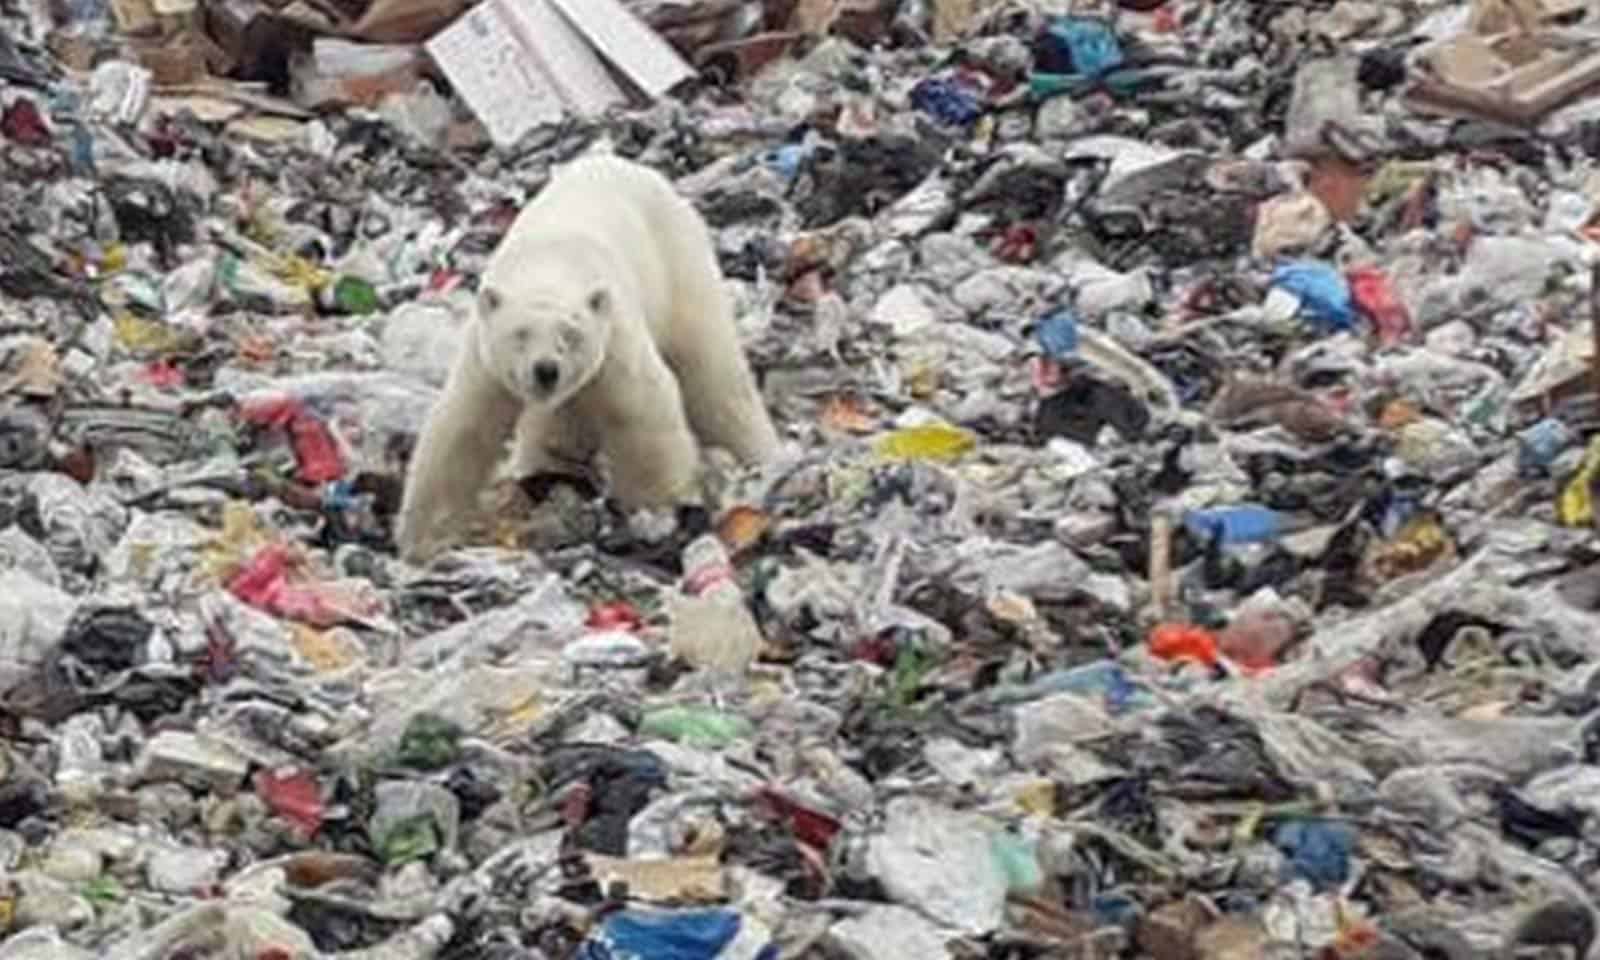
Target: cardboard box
521, 64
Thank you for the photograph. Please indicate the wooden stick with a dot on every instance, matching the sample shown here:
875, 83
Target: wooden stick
1594, 324
1161, 563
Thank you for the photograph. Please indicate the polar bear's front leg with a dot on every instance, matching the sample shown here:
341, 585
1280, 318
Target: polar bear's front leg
652, 453
456, 450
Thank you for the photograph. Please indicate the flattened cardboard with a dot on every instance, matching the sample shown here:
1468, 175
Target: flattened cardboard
636, 50
520, 64
1515, 78
486, 62
580, 76
1501, 16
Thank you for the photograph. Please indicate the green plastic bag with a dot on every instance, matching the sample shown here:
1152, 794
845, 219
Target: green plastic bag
415, 838
429, 742
1016, 859
697, 726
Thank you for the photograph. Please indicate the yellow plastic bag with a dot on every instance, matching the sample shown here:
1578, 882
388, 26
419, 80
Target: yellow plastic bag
137, 335
301, 272
1575, 505
934, 441
1416, 546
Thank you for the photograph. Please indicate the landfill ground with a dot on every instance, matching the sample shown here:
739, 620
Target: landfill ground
1184, 545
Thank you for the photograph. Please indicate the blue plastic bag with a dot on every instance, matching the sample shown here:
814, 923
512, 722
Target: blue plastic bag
786, 160
1088, 43
1115, 909
1245, 523
1057, 333
1539, 445
1319, 850
948, 100
1103, 678
677, 935
1323, 292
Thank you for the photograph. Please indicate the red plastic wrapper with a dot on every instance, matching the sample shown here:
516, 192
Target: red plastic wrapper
1047, 375
575, 805
23, 123
1374, 296
264, 584
812, 828
293, 795
1019, 244
879, 648
443, 281
619, 615
164, 375
316, 452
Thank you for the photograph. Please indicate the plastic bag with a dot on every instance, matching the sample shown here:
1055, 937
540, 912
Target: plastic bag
1375, 296
421, 338
934, 441
1086, 44
264, 582
374, 415
1245, 523
316, 452
700, 726
1322, 291
1319, 850
294, 795
679, 935
1575, 505
1058, 333
940, 862
1182, 641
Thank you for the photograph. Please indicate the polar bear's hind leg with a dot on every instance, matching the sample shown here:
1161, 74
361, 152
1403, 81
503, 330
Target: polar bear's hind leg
720, 396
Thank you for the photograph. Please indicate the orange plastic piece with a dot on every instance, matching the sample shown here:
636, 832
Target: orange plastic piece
1183, 641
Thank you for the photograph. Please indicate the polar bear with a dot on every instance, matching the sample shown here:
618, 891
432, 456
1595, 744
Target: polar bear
601, 325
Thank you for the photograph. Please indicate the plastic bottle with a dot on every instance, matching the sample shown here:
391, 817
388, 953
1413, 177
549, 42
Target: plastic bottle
712, 626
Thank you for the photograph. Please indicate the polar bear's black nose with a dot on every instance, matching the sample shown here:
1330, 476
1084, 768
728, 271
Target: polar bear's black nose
545, 374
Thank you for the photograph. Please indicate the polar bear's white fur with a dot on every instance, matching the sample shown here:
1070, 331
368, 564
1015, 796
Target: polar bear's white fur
601, 325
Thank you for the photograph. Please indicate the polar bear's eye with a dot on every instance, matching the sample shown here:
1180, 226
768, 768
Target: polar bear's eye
571, 337
523, 334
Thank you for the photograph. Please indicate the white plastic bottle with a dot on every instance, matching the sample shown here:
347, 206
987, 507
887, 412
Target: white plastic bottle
712, 627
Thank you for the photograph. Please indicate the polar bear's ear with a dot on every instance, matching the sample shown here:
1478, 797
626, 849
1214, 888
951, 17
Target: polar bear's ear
600, 301
489, 300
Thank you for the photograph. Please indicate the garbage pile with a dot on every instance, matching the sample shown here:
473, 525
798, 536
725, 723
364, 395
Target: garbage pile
1186, 547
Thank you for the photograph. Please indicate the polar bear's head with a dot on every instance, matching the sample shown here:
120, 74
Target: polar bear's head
543, 340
